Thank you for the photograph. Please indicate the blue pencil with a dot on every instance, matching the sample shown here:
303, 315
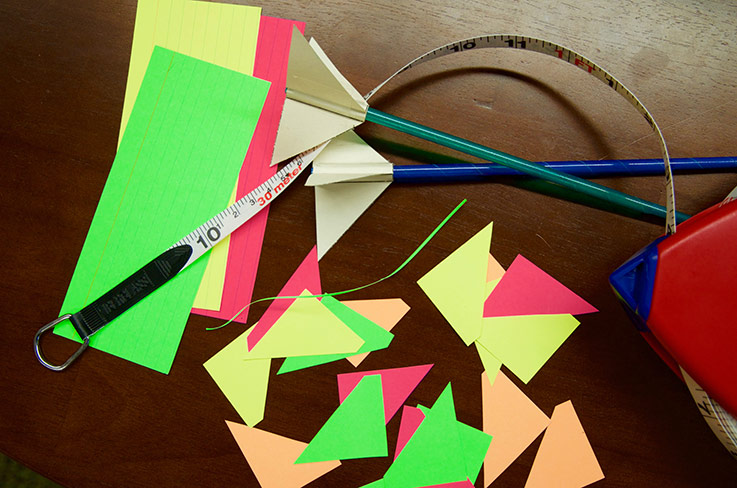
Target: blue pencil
437, 173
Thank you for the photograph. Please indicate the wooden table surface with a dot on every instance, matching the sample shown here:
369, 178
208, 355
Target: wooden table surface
108, 422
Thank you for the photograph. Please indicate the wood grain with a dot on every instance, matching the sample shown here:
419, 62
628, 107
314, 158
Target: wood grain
106, 422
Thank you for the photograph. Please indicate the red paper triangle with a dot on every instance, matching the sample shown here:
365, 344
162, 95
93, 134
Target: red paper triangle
396, 384
526, 289
306, 276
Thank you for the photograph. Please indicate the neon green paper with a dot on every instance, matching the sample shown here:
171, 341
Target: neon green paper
457, 285
474, 444
433, 455
524, 343
185, 142
244, 383
218, 33
306, 328
355, 430
374, 336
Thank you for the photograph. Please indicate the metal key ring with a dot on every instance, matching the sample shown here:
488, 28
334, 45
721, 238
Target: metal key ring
37, 346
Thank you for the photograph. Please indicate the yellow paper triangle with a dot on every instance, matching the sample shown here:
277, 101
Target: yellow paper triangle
306, 328
491, 363
524, 343
457, 285
244, 383
272, 458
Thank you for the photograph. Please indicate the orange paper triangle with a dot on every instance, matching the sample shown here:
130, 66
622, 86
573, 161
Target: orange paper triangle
511, 419
565, 457
272, 458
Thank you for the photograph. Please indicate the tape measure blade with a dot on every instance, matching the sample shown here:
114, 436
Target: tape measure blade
568, 55
207, 235
721, 423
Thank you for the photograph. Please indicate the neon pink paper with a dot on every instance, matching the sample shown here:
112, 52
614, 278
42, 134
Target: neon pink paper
455, 484
306, 276
272, 57
526, 289
396, 384
411, 419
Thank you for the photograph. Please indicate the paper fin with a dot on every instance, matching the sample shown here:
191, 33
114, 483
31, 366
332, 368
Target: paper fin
320, 103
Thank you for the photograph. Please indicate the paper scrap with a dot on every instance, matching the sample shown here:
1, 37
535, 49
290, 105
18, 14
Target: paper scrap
455, 484
511, 418
397, 384
524, 343
526, 289
565, 457
318, 93
244, 383
306, 276
374, 337
244, 251
339, 201
494, 270
433, 454
411, 419
375, 484
306, 328
385, 312
474, 445
348, 158
272, 458
168, 160
457, 285
356, 428
491, 363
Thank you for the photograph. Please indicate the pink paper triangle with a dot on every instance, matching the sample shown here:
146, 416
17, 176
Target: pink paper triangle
396, 384
306, 276
455, 484
526, 289
411, 419
565, 457
272, 458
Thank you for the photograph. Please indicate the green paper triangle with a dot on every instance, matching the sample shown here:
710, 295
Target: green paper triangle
457, 285
375, 337
433, 454
355, 430
473, 443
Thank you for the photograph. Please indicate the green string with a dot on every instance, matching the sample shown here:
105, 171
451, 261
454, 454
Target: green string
401, 266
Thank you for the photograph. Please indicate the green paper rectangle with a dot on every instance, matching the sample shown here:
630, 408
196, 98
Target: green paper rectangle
179, 158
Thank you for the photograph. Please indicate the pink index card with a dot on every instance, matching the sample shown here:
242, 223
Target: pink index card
526, 289
396, 383
306, 276
272, 57
412, 417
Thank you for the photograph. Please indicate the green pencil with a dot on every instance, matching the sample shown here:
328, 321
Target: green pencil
580, 185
